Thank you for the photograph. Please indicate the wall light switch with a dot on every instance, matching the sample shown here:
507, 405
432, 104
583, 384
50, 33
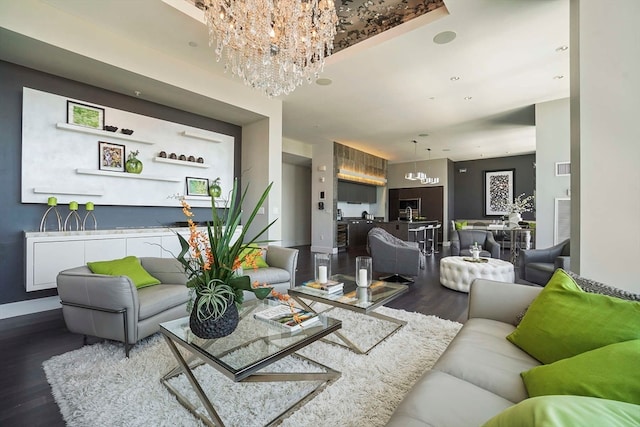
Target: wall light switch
261, 210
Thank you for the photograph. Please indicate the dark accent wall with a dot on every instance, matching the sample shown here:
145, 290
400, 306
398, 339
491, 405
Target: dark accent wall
469, 186
17, 217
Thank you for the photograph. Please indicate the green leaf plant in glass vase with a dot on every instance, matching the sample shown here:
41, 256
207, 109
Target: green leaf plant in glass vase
212, 260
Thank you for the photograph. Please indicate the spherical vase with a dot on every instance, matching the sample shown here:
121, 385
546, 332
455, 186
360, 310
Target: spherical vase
215, 190
215, 327
133, 166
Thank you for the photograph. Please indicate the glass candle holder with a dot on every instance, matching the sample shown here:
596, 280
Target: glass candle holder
363, 271
322, 267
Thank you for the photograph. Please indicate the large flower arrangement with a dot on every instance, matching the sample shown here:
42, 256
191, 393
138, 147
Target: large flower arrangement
520, 204
212, 259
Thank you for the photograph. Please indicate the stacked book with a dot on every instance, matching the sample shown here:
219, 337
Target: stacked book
331, 287
284, 316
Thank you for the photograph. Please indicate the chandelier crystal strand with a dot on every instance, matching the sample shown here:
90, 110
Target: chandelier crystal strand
272, 45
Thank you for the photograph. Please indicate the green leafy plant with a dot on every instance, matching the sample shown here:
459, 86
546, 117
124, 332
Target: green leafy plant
213, 300
212, 259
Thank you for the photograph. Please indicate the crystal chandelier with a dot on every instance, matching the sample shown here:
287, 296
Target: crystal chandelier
419, 176
273, 45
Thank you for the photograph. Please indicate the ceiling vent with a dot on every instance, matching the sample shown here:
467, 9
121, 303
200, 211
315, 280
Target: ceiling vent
563, 168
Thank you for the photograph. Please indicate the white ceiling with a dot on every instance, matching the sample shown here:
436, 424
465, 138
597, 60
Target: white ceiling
386, 91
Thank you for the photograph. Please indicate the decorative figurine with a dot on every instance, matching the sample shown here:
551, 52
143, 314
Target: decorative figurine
52, 202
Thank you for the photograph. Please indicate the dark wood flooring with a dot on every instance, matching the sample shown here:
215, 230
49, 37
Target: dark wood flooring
27, 341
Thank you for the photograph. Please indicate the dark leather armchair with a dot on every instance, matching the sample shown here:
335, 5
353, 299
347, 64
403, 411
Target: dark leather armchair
392, 255
537, 265
461, 240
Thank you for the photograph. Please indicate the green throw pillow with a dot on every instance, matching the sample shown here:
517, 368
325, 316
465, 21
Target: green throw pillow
610, 372
567, 411
260, 262
128, 266
460, 224
564, 321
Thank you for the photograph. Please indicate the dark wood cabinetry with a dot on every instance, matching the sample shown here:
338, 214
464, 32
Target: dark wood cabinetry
431, 202
342, 235
354, 192
358, 231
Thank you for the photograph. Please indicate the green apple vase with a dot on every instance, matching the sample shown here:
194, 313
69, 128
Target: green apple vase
133, 164
214, 189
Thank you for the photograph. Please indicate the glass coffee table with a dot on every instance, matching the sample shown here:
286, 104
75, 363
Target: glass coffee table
244, 356
354, 298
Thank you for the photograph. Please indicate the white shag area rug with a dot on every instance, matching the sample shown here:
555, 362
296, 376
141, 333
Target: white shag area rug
97, 386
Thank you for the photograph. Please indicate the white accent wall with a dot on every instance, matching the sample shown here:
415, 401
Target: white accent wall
323, 232
605, 141
553, 139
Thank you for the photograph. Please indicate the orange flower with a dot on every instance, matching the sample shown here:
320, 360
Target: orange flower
236, 264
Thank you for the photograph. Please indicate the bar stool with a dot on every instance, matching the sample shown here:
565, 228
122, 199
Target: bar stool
431, 239
422, 243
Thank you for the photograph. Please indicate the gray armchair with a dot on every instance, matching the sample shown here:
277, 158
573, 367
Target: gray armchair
461, 240
111, 307
392, 255
537, 265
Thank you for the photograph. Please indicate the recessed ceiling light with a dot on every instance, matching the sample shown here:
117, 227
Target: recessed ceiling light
466, 98
558, 77
324, 82
193, 44
444, 37
454, 78
562, 48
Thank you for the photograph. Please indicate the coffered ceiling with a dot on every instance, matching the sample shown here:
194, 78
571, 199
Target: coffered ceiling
470, 98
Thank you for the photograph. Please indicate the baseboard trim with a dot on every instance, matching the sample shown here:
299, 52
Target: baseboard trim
21, 308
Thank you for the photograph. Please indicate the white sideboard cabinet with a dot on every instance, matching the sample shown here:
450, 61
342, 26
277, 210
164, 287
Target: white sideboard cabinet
48, 253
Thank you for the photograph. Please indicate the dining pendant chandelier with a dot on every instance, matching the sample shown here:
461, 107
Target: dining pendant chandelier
419, 176
272, 45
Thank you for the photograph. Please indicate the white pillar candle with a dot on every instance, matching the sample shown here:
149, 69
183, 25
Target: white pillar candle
322, 274
362, 277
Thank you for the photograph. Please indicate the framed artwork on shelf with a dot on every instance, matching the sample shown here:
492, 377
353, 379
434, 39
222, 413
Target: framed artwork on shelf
85, 115
498, 191
197, 186
111, 157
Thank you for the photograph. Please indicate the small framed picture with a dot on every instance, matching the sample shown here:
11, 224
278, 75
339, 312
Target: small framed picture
111, 157
197, 186
85, 115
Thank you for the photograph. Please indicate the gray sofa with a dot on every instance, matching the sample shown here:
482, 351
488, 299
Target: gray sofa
111, 307
478, 375
537, 265
281, 273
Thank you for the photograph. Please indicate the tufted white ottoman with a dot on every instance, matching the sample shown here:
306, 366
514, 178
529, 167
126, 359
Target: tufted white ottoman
456, 273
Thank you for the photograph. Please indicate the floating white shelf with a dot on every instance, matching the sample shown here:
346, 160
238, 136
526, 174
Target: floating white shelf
195, 135
220, 203
180, 162
127, 175
53, 191
101, 132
